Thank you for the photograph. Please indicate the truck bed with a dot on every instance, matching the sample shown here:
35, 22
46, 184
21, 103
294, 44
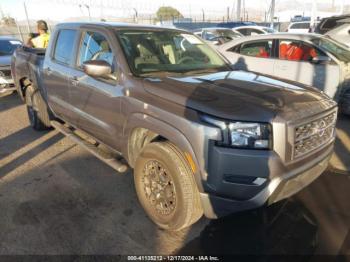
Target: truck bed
27, 63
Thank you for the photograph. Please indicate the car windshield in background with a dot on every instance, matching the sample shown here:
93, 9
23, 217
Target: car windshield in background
340, 51
150, 52
7, 47
269, 30
226, 34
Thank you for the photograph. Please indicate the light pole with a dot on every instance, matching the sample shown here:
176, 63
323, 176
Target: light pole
25, 10
135, 16
203, 16
88, 8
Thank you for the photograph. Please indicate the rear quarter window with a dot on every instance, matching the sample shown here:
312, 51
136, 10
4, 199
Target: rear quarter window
64, 46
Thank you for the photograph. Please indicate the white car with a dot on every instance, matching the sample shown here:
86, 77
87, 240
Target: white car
254, 30
299, 27
306, 58
341, 34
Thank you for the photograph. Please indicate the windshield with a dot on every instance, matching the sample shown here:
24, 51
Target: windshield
7, 47
340, 51
149, 52
269, 30
221, 33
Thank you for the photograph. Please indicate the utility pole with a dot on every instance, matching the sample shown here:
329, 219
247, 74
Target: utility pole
88, 8
273, 3
313, 14
25, 10
341, 7
243, 10
228, 13
238, 10
203, 15
1, 13
135, 16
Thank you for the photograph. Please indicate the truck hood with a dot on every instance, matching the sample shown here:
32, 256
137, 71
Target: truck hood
5, 60
239, 95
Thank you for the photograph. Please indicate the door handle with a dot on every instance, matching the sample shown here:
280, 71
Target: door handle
74, 81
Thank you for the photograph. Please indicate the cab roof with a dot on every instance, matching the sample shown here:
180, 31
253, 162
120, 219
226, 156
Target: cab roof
116, 25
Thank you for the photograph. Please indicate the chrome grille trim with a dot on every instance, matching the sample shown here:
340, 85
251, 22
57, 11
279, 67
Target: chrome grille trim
313, 134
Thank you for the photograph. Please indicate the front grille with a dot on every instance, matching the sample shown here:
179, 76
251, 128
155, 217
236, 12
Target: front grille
313, 135
5, 72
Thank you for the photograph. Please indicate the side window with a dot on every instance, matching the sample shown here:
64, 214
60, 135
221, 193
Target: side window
257, 49
243, 31
94, 46
297, 51
235, 49
64, 46
329, 24
255, 32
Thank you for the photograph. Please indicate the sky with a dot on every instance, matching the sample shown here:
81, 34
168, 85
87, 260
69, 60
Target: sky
58, 10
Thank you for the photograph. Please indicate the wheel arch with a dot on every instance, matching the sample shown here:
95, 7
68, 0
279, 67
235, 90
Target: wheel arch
143, 129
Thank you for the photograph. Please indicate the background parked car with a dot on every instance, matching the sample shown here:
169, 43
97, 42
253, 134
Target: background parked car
299, 27
306, 58
7, 46
330, 23
254, 30
341, 33
218, 35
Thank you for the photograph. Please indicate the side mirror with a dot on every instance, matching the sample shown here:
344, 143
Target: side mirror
97, 68
321, 60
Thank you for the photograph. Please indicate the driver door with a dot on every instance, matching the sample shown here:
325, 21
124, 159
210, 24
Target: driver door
97, 100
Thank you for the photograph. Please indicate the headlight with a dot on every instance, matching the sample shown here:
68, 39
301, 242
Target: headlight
243, 134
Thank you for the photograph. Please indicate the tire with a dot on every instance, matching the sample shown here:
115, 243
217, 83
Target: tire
344, 104
164, 163
38, 114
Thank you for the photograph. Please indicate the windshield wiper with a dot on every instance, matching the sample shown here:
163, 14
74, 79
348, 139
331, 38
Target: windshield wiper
201, 71
157, 73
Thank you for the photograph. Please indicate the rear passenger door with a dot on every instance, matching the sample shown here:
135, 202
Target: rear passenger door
255, 56
55, 73
97, 100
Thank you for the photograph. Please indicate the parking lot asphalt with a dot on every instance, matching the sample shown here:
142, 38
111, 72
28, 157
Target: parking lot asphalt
56, 198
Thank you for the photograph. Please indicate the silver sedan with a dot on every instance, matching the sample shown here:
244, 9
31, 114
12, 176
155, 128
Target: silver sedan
306, 58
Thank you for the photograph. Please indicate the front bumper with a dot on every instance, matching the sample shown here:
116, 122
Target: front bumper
6, 85
274, 189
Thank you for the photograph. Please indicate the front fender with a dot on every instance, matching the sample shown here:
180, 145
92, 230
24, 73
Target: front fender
166, 130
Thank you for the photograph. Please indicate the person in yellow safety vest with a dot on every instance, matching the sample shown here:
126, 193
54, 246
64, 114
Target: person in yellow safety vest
42, 40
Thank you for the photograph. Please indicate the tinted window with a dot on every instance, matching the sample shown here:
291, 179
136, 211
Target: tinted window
257, 49
329, 24
94, 46
335, 48
255, 32
64, 46
243, 31
297, 51
300, 26
7, 47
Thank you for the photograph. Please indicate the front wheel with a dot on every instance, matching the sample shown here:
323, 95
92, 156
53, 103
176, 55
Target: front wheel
166, 187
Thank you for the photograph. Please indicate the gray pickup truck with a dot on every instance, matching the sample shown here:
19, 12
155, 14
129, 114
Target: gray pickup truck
199, 137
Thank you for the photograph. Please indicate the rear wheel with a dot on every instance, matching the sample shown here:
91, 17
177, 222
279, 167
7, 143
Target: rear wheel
37, 110
165, 186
